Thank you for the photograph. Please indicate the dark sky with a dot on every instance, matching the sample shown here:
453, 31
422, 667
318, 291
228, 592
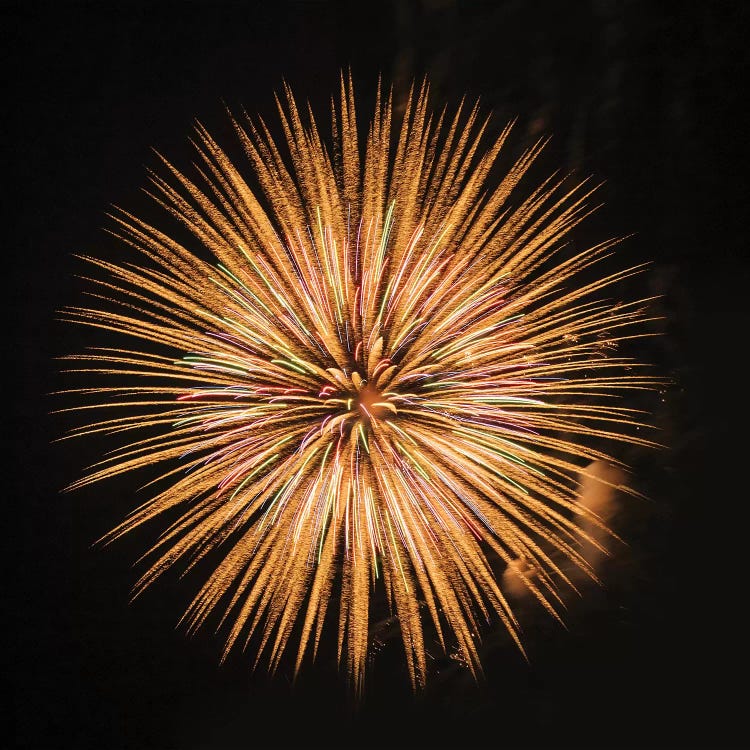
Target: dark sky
646, 96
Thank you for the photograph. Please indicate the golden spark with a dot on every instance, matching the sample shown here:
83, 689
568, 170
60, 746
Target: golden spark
387, 377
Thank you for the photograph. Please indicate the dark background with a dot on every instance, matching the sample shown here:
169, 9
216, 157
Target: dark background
644, 95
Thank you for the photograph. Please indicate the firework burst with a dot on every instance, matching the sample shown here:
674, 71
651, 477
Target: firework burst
381, 380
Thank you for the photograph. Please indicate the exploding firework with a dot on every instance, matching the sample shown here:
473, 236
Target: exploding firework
386, 378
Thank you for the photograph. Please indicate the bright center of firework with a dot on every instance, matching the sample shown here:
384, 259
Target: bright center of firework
370, 402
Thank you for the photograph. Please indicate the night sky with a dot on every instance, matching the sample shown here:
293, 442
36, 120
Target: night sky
646, 97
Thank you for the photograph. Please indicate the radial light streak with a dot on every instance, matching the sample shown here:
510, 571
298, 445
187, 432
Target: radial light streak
382, 380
